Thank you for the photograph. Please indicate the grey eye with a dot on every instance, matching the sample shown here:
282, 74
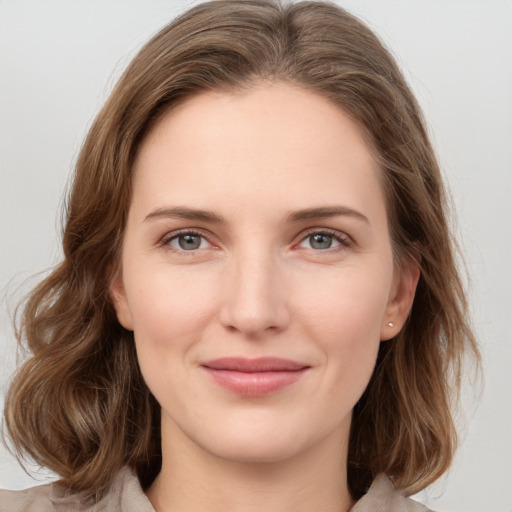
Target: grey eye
320, 241
188, 242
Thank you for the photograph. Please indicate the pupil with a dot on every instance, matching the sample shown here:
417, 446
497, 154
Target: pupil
189, 242
319, 241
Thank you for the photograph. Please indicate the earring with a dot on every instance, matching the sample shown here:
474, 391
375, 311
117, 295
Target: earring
391, 324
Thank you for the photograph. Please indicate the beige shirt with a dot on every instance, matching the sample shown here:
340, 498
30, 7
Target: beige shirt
126, 495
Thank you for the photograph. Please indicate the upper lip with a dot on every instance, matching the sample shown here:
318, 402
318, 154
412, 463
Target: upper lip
260, 364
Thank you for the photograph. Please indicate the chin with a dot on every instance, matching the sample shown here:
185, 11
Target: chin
264, 442
253, 451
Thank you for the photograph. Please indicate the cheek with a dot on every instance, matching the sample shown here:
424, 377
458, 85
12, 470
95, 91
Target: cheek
344, 317
170, 312
347, 307
169, 298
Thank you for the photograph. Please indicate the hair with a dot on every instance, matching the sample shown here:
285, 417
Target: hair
79, 405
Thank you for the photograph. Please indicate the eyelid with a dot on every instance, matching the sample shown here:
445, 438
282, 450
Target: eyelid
340, 236
343, 238
171, 235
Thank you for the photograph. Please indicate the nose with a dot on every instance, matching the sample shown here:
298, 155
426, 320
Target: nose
255, 301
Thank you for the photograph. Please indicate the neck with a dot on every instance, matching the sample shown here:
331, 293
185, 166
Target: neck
193, 480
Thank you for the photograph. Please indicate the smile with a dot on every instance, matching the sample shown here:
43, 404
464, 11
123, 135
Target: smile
254, 377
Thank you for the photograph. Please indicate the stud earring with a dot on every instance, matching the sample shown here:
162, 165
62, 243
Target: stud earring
391, 324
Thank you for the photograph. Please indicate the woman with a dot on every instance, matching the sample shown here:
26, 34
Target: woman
265, 306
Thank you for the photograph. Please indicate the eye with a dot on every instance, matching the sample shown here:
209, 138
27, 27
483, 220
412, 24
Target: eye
187, 241
323, 240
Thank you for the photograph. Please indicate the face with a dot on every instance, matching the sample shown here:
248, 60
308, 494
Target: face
257, 272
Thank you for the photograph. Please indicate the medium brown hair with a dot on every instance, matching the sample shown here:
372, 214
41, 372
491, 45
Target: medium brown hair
79, 405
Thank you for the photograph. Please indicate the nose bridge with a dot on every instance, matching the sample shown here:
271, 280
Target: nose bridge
254, 302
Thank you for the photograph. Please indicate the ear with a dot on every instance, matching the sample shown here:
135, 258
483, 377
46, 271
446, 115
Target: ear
119, 300
401, 298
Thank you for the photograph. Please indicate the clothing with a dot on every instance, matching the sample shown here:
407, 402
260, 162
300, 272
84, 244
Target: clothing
126, 495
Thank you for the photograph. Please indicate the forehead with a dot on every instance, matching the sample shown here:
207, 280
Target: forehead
275, 141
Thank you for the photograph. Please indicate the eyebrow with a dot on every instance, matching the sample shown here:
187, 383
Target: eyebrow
185, 213
324, 212
298, 216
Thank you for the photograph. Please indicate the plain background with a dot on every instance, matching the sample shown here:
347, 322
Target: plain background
59, 60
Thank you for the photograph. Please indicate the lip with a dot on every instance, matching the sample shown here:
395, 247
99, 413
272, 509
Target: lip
254, 377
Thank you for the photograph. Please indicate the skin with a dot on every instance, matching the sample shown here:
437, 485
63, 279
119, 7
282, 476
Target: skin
258, 285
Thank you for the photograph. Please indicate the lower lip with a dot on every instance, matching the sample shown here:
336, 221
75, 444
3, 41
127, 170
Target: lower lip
253, 384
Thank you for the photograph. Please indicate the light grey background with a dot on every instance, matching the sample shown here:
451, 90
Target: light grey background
59, 60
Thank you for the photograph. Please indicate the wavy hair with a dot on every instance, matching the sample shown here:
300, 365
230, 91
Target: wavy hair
79, 404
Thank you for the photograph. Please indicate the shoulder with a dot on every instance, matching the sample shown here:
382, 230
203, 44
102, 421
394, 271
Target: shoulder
35, 499
383, 496
125, 495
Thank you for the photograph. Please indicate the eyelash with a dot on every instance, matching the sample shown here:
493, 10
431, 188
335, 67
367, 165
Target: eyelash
166, 240
343, 239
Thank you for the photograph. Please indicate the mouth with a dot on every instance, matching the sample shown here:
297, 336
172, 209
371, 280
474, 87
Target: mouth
254, 377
